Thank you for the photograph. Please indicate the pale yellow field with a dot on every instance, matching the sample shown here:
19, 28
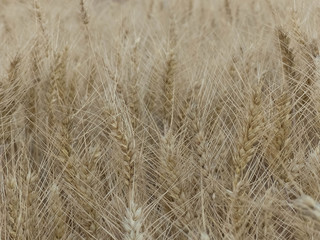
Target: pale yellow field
151, 119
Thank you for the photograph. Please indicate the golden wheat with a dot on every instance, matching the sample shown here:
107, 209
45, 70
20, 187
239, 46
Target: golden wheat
163, 119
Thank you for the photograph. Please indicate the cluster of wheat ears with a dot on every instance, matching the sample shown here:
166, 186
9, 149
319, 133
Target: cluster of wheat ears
154, 119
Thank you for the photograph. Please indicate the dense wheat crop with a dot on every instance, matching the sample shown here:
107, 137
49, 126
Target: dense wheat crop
155, 119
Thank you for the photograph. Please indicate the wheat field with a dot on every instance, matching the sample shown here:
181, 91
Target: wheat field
158, 119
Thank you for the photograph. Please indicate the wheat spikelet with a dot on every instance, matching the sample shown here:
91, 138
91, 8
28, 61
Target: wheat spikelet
150, 9
31, 106
168, 87
305, 53
13, 211
228, 9
9, 105
56, 206
133, 97
39, 16
308, 206
204, 176
7, 27
279, 147
75, 172
283, 123
184, 109
60, 74
190, 7
81, 175
133, 220
204, 236
133, 223
32, 197
249, 136
168, 79
52, 92
287, 57
91, 80
13, 70
127, 149
133, 102
176, 199
87, 185
84, 13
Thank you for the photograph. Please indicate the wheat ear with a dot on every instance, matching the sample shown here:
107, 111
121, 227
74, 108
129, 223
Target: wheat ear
133, 220
40, 18
278, 147
57, 210
249, 137
287, 57
168, 79
228, 10
84, 13
32, 198
133, 96
13, 211
127, 150
247, 145
55, 93
133, 223
308, 207
175, 195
